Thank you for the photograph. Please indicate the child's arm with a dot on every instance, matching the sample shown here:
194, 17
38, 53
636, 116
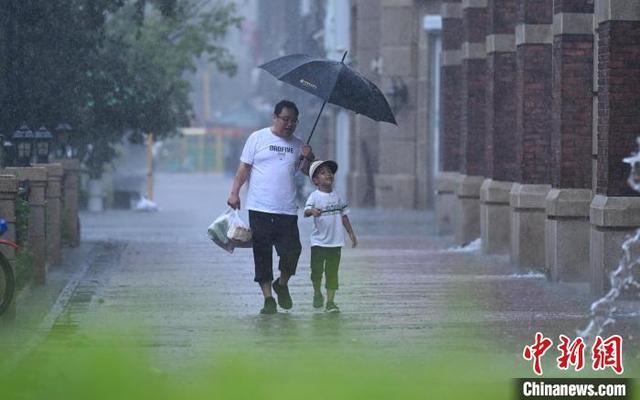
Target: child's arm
310, 207
312, 211
347, 226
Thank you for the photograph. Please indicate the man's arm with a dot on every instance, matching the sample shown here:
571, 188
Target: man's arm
242, 174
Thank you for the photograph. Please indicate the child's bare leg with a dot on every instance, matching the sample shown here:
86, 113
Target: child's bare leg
331, 293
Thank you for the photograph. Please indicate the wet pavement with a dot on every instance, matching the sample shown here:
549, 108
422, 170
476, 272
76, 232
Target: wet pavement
158, 280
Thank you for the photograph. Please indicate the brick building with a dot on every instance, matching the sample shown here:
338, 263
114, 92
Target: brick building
538, 112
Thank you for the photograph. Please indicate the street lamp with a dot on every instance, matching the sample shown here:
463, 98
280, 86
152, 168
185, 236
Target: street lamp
22, 140
63, 135
8, 152
43, 139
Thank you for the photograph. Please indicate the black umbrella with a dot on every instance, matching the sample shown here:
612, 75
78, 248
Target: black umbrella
334, 82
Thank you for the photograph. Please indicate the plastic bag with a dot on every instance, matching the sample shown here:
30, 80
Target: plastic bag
229, 231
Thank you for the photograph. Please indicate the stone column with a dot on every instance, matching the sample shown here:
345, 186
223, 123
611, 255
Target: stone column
53, 207
567, 225
37, 177
364, 141
446, 212
615, 210
567, 234
533, 131
500, 143
69, 213
450, 76
396, 179
472, 139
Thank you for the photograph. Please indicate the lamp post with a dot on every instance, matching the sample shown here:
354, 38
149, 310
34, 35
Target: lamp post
22, 140
7, 151
63, 135
43, 139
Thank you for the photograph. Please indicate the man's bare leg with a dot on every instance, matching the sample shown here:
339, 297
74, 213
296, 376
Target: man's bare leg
266, 289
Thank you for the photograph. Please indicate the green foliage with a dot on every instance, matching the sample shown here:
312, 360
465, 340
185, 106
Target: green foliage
22, 221
24, 267
111, 369
109, 68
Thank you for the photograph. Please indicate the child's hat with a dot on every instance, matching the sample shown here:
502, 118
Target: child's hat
333, 166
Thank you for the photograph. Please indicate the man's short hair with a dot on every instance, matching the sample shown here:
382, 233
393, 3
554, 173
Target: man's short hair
285, 104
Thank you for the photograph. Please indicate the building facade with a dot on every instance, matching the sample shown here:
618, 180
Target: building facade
537, 118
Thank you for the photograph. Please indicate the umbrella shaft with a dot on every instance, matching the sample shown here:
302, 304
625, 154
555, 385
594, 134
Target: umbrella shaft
316, 123
322, 108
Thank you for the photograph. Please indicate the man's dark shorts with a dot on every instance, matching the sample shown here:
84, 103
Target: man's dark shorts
281, 231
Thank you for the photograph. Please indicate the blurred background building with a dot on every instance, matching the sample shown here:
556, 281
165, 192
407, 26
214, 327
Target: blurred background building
396, 44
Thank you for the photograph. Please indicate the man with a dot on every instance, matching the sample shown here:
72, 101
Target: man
269, 162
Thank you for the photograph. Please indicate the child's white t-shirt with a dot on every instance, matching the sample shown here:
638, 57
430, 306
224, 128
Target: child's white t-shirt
328, 230
273, 161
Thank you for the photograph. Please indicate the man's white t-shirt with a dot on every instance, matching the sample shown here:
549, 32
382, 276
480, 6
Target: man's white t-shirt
273, 163
328, 230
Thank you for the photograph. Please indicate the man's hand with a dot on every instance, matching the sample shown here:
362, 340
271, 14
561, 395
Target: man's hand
306, 152
306, 158
234, 201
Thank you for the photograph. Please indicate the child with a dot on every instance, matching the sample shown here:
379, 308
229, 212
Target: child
329, 216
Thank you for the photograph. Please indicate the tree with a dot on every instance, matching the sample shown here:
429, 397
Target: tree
110, 68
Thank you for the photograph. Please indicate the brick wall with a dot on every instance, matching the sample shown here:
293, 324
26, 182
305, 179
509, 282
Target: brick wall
533, 93
451, 75
535, 11
500, 147
572, 104
501, 16
573, 6
534, 112
500, 143
618, 100
451, 109
474, 80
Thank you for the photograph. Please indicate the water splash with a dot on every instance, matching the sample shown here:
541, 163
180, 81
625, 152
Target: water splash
621, 279
529, 275
470, 247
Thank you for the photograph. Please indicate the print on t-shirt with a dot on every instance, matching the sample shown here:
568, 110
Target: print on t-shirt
281, 150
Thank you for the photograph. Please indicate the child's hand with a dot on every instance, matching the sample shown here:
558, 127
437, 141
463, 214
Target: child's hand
354, 239
316, 212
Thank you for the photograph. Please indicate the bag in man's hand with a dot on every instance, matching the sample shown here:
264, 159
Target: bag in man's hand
229, 231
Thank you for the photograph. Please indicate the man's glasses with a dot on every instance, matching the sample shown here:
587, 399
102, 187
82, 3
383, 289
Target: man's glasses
287, 120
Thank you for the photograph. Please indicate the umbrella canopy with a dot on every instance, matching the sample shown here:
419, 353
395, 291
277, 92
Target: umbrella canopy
334, 82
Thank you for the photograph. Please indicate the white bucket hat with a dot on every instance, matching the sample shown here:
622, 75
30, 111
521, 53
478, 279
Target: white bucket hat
333, 166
